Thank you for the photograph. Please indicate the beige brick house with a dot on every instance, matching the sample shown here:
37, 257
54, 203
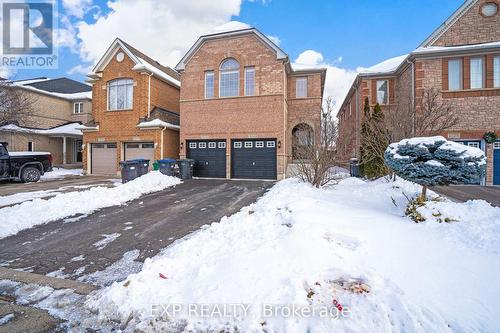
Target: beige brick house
241, 104
58, 107
135, 110
460, 59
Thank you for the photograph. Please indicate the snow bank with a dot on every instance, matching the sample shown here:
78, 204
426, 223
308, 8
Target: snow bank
39, 211
292, 246
61, 173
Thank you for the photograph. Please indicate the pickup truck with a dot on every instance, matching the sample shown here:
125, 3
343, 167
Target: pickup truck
25, 166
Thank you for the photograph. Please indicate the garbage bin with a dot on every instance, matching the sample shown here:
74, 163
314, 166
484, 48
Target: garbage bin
167, 166
354, 167
142, 165
129, 170
186, 168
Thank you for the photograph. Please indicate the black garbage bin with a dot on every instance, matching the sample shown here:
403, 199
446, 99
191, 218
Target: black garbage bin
130, 170
186, 168
167, 166
354, 167
142, 165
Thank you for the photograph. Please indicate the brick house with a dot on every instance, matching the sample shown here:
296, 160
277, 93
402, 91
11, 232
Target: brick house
461, 60
58, 107
135, 110
243, 107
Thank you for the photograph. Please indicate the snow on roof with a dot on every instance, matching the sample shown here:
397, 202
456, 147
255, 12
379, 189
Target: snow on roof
157, 123
74, 96
87, 128
386, 66
30, 81
147, 66
433, 49
67, 129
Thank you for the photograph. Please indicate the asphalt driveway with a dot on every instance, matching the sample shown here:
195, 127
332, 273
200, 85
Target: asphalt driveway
140, 229
463, 193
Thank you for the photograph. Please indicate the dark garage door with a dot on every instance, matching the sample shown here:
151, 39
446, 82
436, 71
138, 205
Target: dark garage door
253, 158
209, 156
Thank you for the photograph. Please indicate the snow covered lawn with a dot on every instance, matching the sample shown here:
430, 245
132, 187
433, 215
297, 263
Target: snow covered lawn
39, 211
301, 246
57, 173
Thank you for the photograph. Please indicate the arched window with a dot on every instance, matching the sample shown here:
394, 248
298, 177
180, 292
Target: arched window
120, 94
229, 83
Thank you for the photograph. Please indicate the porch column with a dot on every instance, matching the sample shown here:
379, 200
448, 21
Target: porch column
64, 150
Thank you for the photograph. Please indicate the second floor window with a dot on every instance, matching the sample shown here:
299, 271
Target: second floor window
209, 84
249, 81
301, 87
229, 83
455, 74
496, 72
382, 92
477, 73
120, 94
78, 108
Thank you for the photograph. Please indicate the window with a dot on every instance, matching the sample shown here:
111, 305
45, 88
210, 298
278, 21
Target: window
120, 94
222, 145
350, 109
31, 146
148, 145
212, 145
477, 73
248, 144
209, 84
301, 87
382, 92
473, 144
111, 145
78, 108
192, 145
496, 145
455, 74
249, 81
496, 72
132, 145
270, 144
229, 83
237, 144
259, 144
202, 145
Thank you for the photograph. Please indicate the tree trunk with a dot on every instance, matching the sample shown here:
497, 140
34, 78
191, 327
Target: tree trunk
423, 196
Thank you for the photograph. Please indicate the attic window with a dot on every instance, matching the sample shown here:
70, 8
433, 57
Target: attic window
489, 9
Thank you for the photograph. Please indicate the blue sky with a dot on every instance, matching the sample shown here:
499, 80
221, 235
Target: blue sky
344, 34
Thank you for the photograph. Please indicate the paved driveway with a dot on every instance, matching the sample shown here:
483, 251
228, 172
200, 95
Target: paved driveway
469, 192
140, 229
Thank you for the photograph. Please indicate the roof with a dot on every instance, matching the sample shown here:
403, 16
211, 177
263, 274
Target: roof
157, 123
61, 87
165, 115
280, 54
142, 63
386, 66
69, 129
448, 23
452, 49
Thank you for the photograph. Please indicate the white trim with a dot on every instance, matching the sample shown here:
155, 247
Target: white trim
192, 145
248, 144
221, 145
212, 145
259, 144
496, 145
237, 144
270, 144
202, 145
80, 108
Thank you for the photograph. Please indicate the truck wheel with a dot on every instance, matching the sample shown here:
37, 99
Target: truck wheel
30, 174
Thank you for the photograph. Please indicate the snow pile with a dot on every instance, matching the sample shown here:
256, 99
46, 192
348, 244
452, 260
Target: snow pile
61, 173
301, 246
39, 211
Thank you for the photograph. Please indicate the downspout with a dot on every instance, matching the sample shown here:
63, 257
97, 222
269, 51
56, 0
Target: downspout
357, 119
149, 97
161, 142
412, 96
285, 113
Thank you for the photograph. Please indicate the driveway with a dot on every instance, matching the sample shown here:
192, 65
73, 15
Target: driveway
463, 193
127, 234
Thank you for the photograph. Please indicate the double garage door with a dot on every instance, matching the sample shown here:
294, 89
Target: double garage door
250, 158
104, 155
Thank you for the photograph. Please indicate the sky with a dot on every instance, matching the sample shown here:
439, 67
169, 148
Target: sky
341, 35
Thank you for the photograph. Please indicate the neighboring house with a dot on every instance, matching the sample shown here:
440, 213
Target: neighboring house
461, 59
135, 110
241, 104
58, 107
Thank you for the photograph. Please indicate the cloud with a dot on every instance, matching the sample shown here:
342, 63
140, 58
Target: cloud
77, 8
80, 69
338, 80
164, 30
274, 39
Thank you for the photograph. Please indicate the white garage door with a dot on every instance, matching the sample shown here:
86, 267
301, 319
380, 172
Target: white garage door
103, 159
144, 150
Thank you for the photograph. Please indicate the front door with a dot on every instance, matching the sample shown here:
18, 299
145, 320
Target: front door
496, 163
78, 150
4, 162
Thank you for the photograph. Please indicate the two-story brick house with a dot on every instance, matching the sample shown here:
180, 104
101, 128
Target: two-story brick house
135, 110
56, 108
461, 60
242, 104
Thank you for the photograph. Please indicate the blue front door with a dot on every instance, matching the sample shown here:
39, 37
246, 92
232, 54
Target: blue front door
496, 163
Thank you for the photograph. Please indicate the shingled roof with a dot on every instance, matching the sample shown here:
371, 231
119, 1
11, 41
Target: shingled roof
61, 85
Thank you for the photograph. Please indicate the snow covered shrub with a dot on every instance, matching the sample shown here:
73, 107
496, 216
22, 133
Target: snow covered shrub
430, 161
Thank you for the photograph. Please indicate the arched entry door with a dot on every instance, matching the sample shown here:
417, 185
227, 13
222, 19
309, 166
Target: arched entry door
302, 140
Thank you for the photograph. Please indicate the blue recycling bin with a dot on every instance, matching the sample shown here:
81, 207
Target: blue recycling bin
167, 166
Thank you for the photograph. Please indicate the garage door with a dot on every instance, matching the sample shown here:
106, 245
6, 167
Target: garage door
253, 158
103, 159
496, 163
134, 150
209, 156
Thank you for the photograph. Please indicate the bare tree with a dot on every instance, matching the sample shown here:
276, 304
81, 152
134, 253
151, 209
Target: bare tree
15, 104
316, 159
